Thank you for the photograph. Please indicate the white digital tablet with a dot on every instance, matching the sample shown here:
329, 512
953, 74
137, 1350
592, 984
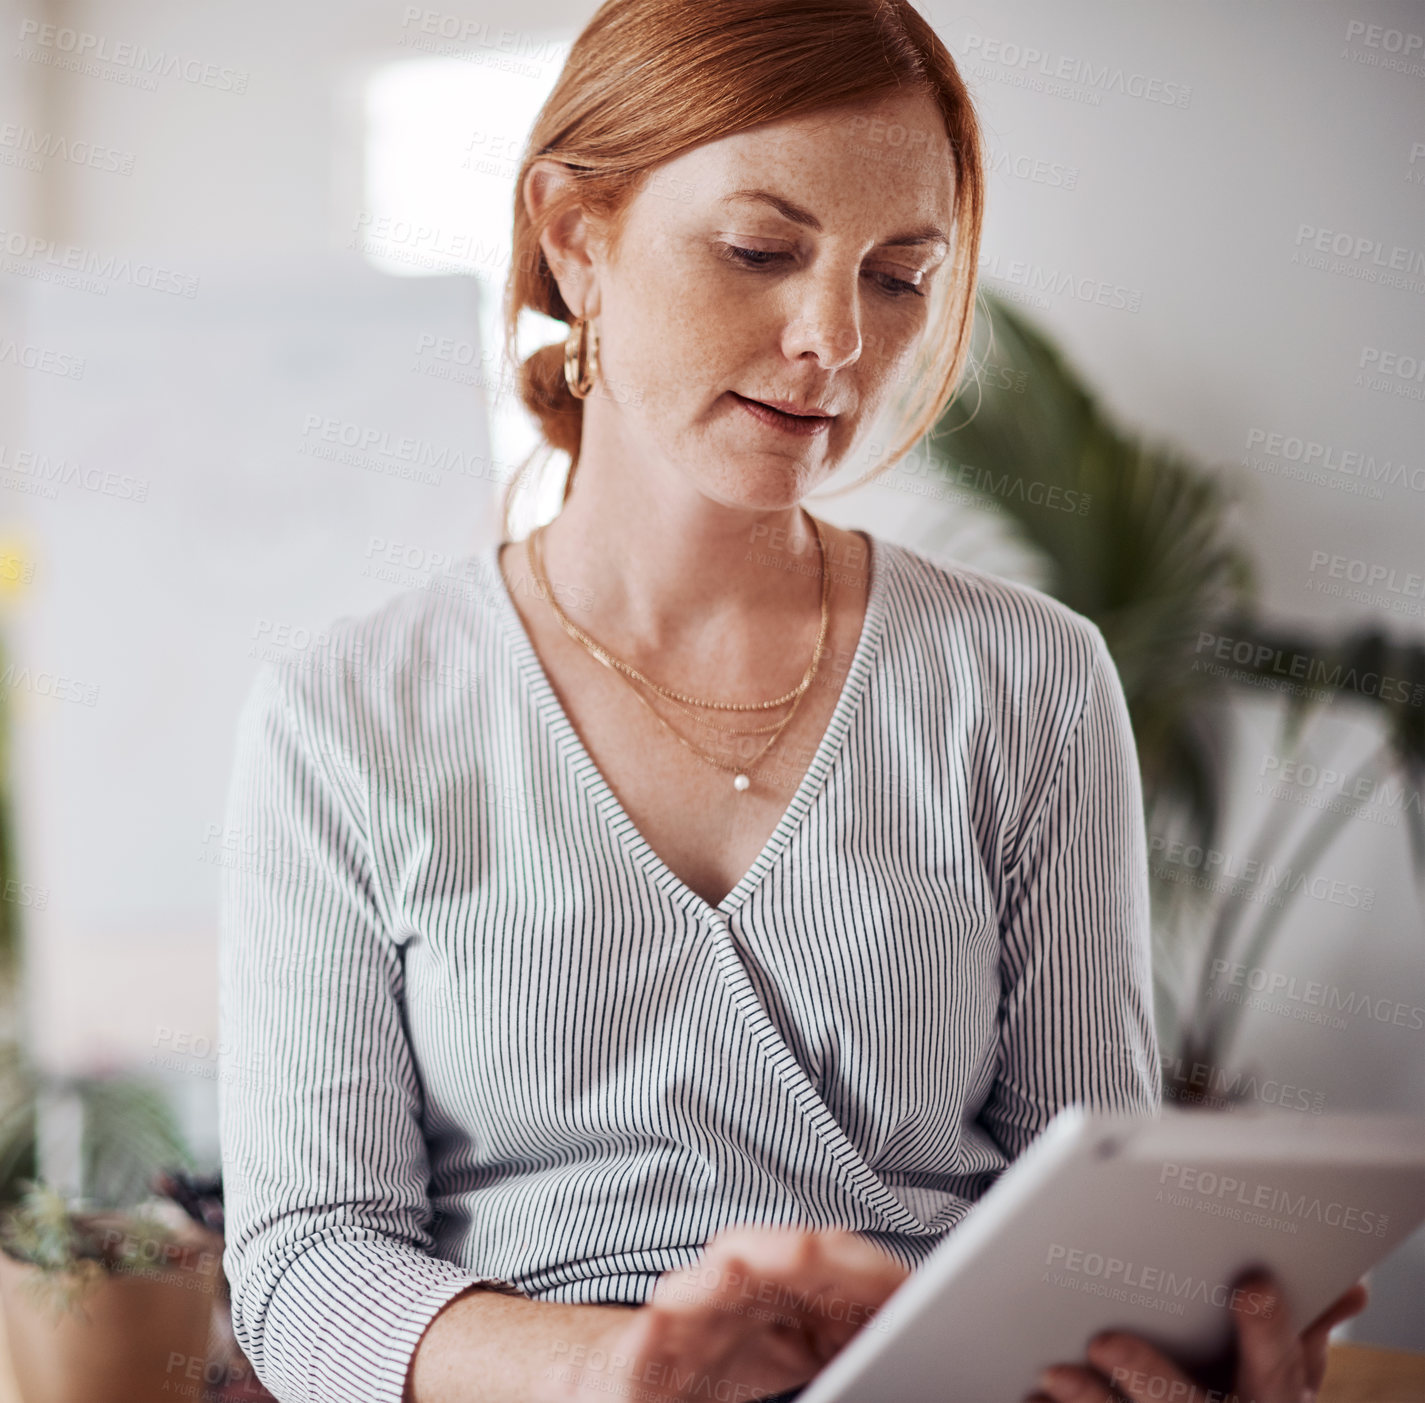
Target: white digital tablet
1141, 1224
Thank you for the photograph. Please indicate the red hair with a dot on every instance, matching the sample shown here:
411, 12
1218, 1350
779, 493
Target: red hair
647, 80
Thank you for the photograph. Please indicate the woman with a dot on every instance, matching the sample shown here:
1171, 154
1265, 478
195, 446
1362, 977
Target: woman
664, 939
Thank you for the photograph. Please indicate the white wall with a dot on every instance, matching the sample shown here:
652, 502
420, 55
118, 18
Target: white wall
1193, 211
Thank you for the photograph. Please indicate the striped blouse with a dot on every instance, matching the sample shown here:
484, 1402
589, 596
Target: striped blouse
475, 1031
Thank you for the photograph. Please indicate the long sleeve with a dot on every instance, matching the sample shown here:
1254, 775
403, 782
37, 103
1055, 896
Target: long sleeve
1076, 1007
324, 1163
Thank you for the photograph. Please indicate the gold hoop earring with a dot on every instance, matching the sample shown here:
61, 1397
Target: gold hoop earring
582, 338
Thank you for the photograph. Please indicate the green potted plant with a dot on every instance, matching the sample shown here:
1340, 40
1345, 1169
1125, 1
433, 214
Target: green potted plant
108, 1293
1143, 541
109, 1296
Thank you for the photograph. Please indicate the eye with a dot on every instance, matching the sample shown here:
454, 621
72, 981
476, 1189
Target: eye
763, 258
898, 287
750, 257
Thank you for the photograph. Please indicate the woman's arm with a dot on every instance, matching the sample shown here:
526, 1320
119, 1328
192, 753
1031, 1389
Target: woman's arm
761, 1311
1076, 1025
486, 1347
1076, 998
1275, 1363
325, 1173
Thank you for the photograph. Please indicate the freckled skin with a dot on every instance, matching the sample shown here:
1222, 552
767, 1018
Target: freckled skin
682, 535
684, 324
672, 480
673, 473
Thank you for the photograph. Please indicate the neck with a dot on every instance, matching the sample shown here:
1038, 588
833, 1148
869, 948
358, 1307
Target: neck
668, 572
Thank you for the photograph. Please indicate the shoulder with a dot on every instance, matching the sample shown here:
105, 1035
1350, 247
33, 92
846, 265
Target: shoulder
362, 690
1006, 629
1032, 679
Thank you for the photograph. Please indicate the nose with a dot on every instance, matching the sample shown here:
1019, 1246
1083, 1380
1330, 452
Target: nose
825, 321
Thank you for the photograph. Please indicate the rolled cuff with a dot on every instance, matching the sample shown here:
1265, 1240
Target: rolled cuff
342, 1322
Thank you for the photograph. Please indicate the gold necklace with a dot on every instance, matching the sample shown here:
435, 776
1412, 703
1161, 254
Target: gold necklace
627, 672
607, 658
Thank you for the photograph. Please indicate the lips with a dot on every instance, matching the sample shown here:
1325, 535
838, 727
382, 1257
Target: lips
801, 423
786, 406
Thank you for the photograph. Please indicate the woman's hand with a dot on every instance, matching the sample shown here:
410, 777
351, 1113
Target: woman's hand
1274, 1363
760, 1312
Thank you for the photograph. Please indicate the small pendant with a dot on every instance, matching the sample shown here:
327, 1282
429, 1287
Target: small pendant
741, 782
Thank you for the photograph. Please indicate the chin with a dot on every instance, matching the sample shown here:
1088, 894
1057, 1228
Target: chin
757, 484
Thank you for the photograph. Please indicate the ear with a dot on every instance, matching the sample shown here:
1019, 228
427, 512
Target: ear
570, 243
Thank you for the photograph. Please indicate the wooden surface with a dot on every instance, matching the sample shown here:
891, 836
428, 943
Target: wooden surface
1355, 1374
1368, 1374
8, 1392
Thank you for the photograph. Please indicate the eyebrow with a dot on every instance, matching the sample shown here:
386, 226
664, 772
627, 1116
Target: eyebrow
925, 234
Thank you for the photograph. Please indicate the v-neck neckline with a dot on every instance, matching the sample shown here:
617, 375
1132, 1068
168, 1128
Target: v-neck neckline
587, 772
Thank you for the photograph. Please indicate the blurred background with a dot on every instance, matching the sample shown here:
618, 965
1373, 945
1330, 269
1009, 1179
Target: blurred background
250, 382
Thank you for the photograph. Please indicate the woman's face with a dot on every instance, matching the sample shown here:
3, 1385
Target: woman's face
791, 264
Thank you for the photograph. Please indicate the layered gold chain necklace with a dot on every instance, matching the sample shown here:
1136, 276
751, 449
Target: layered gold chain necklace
632, 676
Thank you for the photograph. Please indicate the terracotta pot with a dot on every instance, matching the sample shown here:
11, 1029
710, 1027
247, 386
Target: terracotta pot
133, 1338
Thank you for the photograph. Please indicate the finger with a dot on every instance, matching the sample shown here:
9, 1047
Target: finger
781, 1301
1271, 1360
829, 1251
675, 1357
1349, 1303
1316, 1338
698, 1316
832, 1281
1074, 1383
1137, 1370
